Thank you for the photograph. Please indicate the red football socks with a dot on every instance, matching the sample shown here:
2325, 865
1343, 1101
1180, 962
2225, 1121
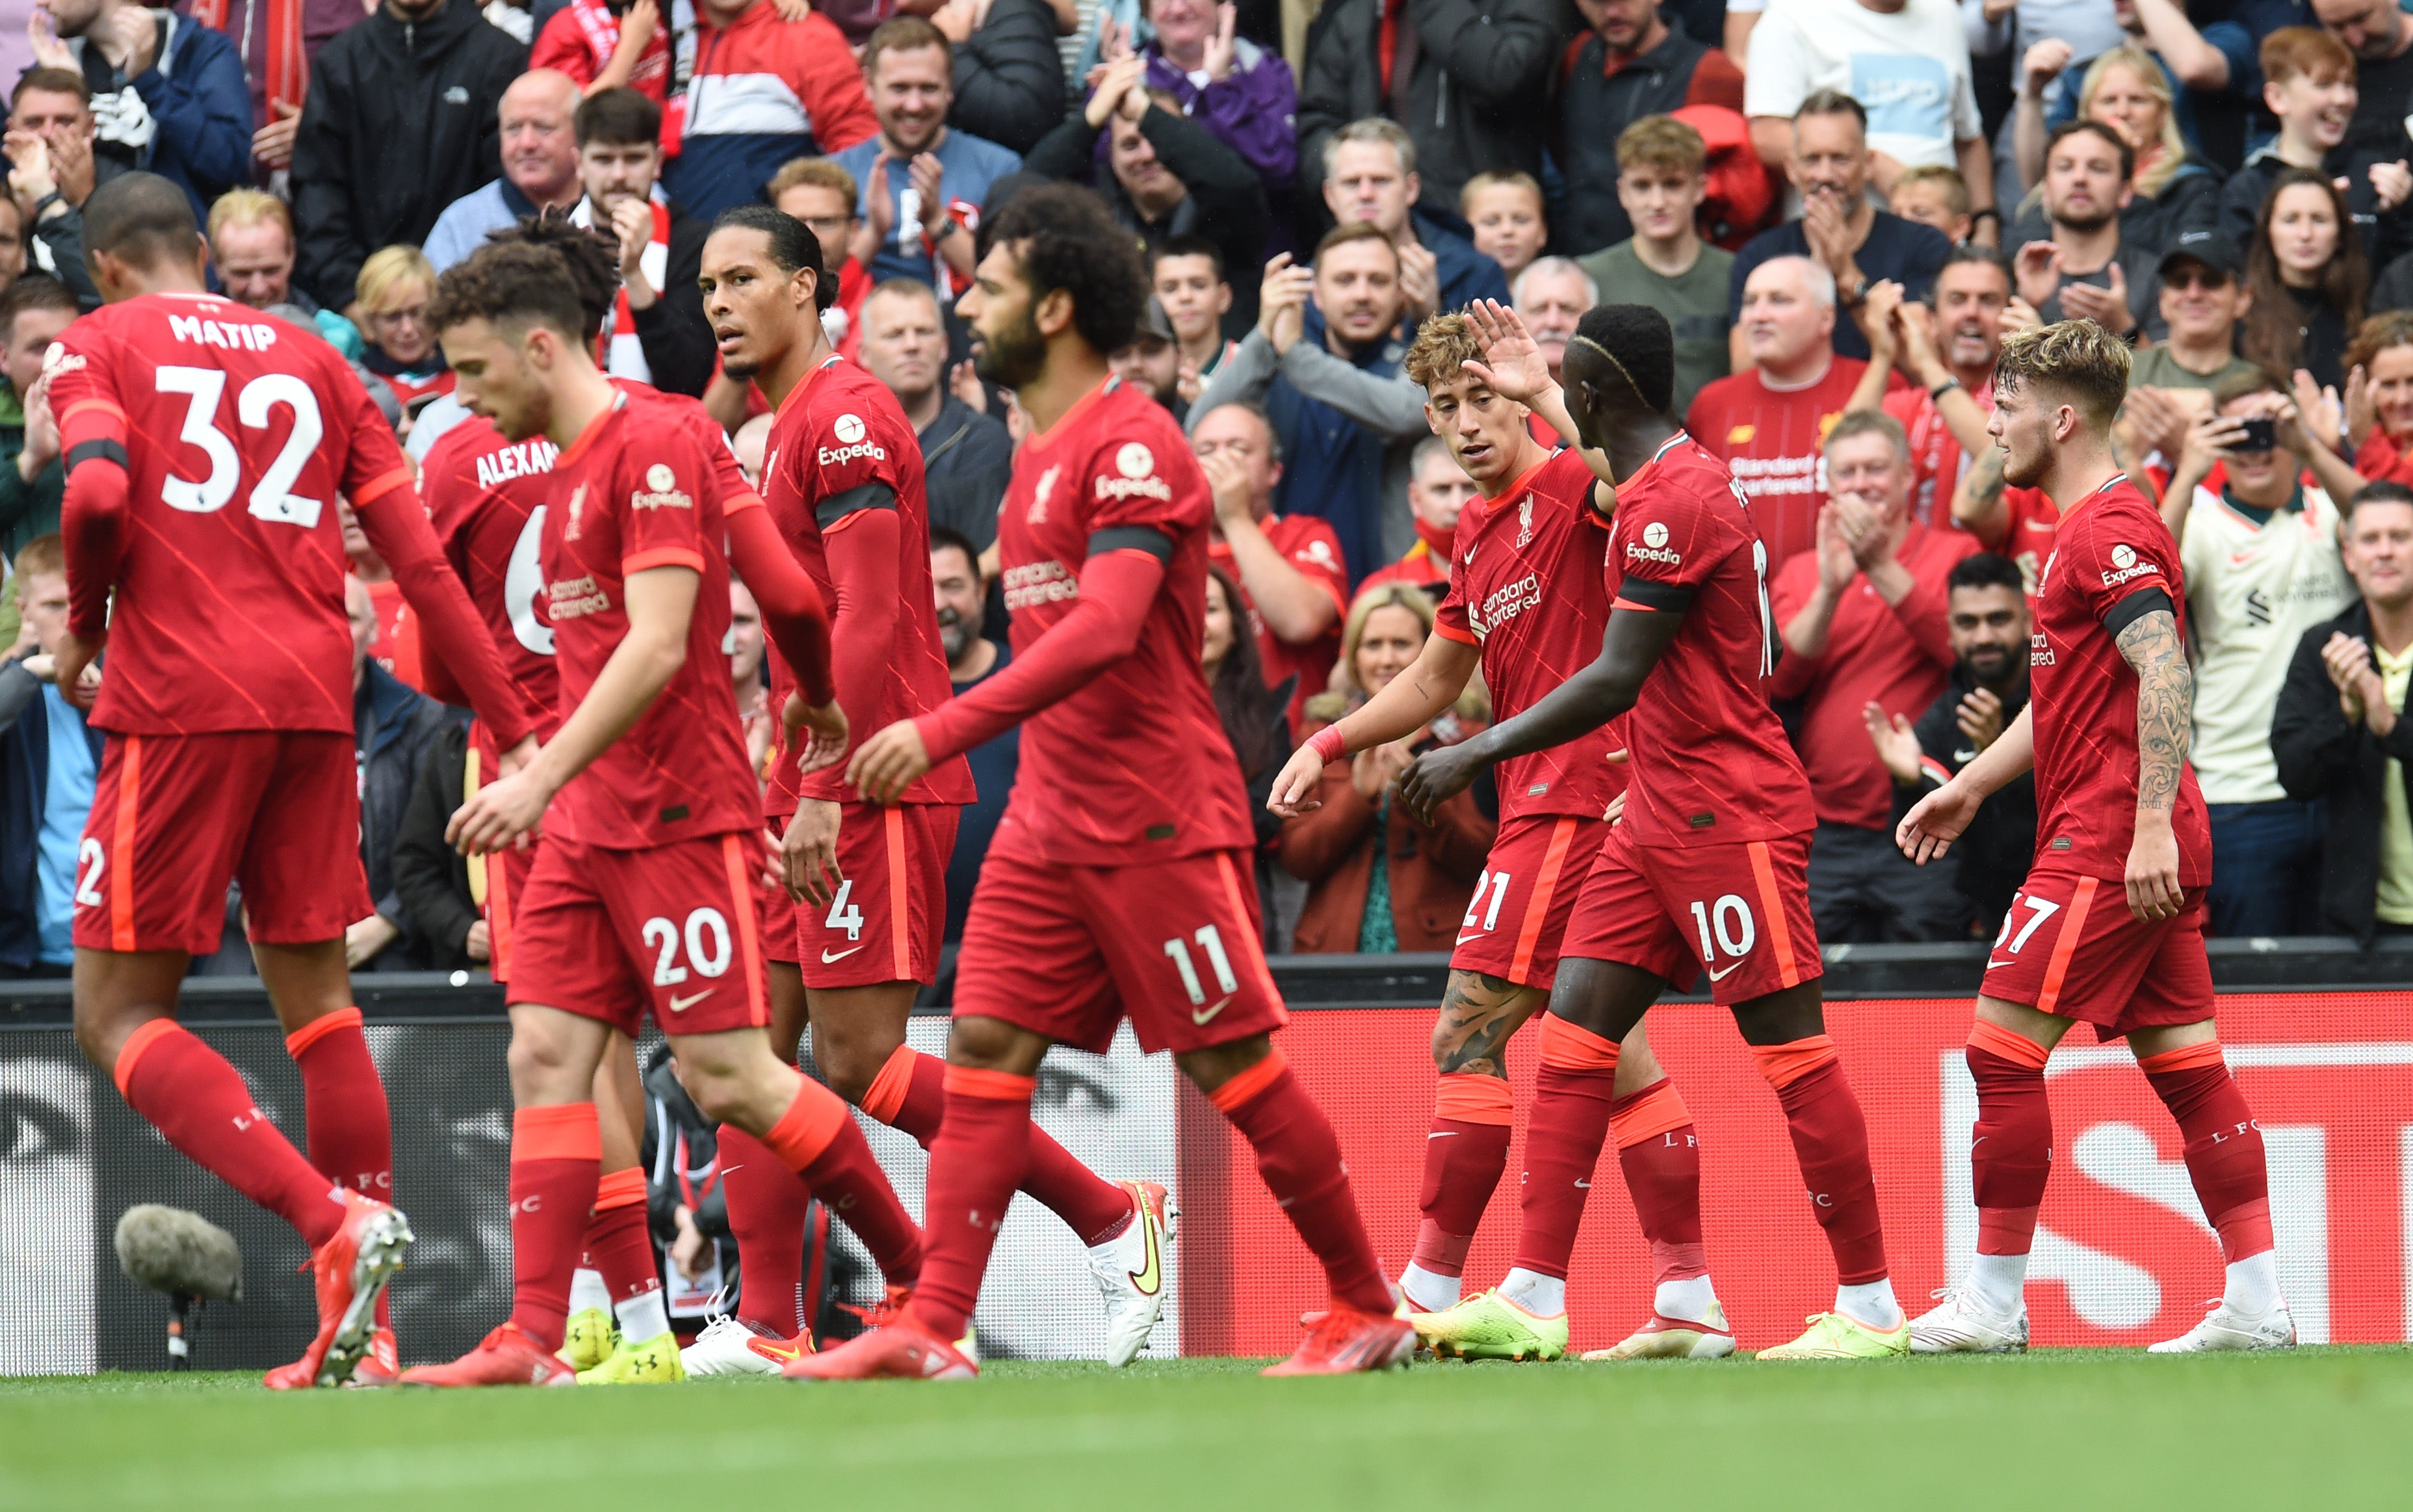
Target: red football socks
910, 1094
1572, 1093
343, 1111
619, 1243
818, 1140
1661, 1156
2011, 1155
190, 1094
1299, 1158
556, 1164
1831, 1141
1465, 1155
976, 1161
2224, 1143
767, 1208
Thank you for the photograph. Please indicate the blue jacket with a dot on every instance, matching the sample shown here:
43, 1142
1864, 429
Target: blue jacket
200, 101
1464, 274
24, 783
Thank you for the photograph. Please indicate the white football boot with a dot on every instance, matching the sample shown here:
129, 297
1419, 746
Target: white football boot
1963, 1325
2225, 1329
1130, 1272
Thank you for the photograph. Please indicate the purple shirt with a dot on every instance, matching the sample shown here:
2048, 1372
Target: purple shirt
1253, 109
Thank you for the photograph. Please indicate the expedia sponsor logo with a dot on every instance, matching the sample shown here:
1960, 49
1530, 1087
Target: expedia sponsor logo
1654, 547
1039, 582
661, 491
1504, 604
576, 597
59, 359
2126, 564
525, 460
855, 450
1147, 487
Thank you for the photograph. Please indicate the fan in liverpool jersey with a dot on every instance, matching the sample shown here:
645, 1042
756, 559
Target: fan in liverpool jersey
1706, 869
842, 477
1527, 603
642, 898
1118, 884
2108, 929
205, 448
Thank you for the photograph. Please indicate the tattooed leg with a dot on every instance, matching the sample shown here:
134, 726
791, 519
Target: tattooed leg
1478, 1013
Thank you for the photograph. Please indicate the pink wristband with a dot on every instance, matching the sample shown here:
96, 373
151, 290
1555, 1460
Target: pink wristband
1328, 744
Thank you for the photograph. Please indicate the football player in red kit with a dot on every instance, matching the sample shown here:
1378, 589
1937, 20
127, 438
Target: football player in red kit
1527, 603
485, 494
2108, 929
842, 476
642, 898
1118, 884
205, 447
1705, 869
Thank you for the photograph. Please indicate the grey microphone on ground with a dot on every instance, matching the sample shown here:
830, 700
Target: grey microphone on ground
179, 1253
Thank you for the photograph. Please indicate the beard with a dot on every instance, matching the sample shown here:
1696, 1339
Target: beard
953, 634
1989, 664
2026, 472
2086, 221
1014, 357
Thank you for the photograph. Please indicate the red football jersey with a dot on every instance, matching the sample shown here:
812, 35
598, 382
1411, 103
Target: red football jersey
241, 431
841, 430
2110, 544
1774, 441
1712, 765
485, 497
1936, 459
1313, 547
2028, 534
1528, 591
640, 489
1134, 765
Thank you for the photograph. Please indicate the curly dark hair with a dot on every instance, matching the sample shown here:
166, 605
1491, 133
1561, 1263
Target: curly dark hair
1064, 238
543, 269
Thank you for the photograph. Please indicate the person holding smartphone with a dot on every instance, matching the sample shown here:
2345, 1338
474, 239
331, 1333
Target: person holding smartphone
2254, 506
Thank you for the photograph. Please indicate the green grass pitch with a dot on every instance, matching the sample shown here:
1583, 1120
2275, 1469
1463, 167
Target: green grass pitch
2053, 1431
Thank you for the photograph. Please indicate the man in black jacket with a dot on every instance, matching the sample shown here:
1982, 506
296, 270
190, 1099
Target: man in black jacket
392, 726
2340, 733
431, 879
1009, 76
1163, 176
1468, 78
657, 333
967, 455
1628, 65
403, 118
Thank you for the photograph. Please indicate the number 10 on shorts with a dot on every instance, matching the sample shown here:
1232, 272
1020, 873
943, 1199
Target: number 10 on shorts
1211, 941
1729, 921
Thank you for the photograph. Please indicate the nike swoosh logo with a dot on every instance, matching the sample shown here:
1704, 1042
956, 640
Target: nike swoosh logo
782, 1353
1463, 939
1964, 757
1582, 1185
827, 958
1720, 976
680, 1005
1149, 1277
1443, 1134
1206, 1015
1994, 965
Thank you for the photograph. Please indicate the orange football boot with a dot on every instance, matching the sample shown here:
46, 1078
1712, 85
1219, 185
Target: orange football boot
1345, 1341
349, 1273
506, 1357
905, 1350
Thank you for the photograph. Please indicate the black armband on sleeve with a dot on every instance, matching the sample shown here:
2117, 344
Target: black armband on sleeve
864, 496
1667, 598
1146, 538
104, 451
2136, 607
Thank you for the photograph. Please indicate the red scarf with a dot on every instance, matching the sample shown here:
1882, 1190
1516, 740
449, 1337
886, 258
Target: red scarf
285, 73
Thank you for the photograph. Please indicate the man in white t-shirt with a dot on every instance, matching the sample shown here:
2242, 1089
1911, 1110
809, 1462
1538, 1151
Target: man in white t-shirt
1905, 61
2258, 545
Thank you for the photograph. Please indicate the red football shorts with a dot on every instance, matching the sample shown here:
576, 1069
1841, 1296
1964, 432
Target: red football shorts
1741, 912
670, 930
885, 921
496, 881
1527, 892
174, 818
2069, 946
1068, 951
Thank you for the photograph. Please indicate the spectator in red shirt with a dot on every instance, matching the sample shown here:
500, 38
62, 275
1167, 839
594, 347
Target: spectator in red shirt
2379, 397
1947, 350
1293, 583
1864, 615
763, 91
1438, 489
1770, 422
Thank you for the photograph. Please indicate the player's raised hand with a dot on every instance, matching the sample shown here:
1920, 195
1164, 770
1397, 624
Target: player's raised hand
816, 732
502, 811
1513, 365
808, 853
2153, 874
1934, 822
1438, 776
1296, 785
887, 764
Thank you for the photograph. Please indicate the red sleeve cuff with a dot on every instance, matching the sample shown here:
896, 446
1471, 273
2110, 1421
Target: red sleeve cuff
687, 556
1448, 631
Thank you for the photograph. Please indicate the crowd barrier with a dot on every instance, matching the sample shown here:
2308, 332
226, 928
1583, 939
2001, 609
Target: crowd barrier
2320, 1034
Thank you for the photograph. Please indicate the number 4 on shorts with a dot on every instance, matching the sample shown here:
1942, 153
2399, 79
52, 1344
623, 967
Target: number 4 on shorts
843, 914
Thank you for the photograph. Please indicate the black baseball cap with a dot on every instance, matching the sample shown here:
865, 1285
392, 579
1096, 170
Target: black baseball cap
2213, 250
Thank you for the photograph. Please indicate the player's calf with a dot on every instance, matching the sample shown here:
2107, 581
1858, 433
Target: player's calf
1466, 1150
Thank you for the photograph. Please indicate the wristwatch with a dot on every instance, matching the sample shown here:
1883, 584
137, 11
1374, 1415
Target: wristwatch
1942, 388
1853, 296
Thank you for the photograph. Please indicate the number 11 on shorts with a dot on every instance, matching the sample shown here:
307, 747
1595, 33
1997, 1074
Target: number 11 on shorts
1211, 941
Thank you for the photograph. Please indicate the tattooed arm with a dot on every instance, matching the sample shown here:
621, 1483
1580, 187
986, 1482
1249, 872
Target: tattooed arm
1977, 504
2165, 722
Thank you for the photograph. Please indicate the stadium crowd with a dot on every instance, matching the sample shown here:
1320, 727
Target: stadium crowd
1842, 208
1841, 205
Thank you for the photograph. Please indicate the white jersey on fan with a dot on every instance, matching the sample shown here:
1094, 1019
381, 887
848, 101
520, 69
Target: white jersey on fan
2252, 590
